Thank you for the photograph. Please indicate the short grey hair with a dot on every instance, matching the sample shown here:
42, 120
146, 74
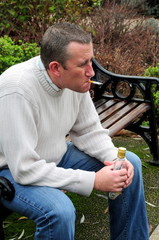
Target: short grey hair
56, 39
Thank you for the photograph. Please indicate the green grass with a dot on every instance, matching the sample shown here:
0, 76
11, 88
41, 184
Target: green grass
92, 220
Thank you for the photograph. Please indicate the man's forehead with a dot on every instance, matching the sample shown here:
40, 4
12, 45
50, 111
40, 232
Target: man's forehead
79, 48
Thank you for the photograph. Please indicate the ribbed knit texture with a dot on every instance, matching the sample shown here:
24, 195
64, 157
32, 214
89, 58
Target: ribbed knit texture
34, 120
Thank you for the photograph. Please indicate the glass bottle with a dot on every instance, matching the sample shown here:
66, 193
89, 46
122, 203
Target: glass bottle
119, 164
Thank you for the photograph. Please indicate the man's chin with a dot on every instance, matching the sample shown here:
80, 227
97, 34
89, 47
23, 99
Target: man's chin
81, 89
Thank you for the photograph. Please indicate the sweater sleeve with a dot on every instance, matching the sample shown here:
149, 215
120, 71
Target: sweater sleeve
89, 135
18, 141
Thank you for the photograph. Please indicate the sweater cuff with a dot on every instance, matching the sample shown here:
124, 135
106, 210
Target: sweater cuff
86, 183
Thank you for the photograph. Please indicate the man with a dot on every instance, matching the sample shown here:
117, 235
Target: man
41, 101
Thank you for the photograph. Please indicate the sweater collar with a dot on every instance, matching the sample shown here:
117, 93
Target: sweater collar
46, 77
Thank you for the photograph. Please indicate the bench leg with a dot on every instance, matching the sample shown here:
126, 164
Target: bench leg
1, 231
2, 217
4, 212
7, 192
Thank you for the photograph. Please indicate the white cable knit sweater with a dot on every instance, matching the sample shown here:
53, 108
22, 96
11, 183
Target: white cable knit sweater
34, 120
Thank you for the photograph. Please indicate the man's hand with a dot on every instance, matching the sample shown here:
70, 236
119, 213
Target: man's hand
130, 173
109, 180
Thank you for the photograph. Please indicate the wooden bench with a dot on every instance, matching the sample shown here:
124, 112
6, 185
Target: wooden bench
127, 102
122, 102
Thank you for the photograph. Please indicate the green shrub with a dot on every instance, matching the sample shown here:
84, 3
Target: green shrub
28, 19
157, 99
154, 72
153, 7
156, 96
11, 53
145, 7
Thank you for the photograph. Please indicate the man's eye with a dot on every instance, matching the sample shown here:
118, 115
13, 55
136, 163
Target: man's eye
83, 64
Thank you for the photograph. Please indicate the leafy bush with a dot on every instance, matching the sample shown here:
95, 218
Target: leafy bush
154, 72
146, 7
12, 53
124, 41
156, 97
28, 19
152, 3
151, 23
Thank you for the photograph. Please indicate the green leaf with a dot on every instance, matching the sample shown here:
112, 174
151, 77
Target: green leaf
12, 12
21, 18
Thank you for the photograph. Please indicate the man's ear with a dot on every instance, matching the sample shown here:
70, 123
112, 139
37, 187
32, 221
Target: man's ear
55, 67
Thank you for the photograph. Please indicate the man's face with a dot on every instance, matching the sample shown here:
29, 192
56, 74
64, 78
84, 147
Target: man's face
78, 69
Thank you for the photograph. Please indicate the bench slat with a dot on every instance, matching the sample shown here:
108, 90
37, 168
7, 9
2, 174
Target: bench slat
99, 102
128, 118
106, 105
103, 104
115, 113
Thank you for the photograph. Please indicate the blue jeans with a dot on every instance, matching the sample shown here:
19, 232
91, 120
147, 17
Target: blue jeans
54, 213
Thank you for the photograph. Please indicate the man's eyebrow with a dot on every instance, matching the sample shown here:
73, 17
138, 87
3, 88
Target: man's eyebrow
86, 61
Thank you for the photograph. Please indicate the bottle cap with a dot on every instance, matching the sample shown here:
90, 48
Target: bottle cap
121, 152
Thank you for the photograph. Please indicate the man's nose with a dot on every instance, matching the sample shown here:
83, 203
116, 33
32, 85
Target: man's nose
89, 71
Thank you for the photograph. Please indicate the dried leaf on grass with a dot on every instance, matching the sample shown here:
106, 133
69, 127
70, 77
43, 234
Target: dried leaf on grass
145, 149
22, 218
82, 219
102, 196
21, 235
6, 224
150, 204
106, 210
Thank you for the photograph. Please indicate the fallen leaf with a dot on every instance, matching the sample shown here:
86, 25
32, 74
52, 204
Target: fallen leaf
150, 204
106, 210
82, 219
102, 196
22, 218
22, 234
6, 224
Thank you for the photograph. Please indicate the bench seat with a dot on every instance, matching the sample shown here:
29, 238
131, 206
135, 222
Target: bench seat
117, 115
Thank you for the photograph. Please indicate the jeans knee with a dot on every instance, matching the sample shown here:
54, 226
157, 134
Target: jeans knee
134, 159
136, 162
65, 214
57, 222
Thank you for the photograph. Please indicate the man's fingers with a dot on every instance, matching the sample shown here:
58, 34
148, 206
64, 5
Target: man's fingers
106, 163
